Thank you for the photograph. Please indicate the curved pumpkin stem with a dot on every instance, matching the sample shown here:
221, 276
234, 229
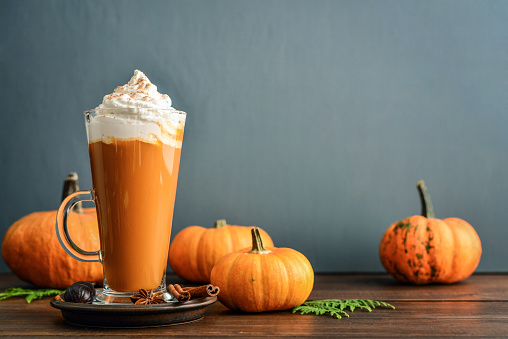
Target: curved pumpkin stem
427, 209
71, 186
220, 223
257, 243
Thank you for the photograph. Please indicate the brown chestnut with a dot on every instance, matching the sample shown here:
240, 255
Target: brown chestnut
80, 292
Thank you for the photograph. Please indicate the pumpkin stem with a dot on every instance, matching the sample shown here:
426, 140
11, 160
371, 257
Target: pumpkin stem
71, 186
427, 209
220, 223
257, 242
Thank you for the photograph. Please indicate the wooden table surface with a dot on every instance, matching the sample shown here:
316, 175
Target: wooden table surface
476, 307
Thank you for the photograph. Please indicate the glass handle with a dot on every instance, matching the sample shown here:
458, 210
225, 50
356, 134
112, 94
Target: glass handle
62, 231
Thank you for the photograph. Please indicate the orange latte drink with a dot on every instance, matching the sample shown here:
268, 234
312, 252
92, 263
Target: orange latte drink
134, 142
135, 187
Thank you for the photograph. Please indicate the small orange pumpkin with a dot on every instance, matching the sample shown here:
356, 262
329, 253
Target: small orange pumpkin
424, 250
31, 249
262, 279
195, 249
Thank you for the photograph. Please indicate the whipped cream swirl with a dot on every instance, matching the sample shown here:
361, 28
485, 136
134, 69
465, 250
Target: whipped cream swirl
137, 110
139, 92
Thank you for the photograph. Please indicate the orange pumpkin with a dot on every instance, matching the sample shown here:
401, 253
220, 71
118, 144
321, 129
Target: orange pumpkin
195, 250
262, 279
31, 249
423, 249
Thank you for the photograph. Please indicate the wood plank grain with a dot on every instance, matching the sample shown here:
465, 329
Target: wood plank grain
492, 287
475, 308
409, 318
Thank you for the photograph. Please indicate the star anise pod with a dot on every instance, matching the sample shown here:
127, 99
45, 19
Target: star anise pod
145, 297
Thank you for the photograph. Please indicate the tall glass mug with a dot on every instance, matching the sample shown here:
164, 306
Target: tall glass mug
134, 161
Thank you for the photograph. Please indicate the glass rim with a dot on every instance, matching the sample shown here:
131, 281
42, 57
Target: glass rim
135, 110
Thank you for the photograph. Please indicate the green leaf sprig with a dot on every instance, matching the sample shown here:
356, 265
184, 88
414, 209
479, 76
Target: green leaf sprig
337, 308
30, 294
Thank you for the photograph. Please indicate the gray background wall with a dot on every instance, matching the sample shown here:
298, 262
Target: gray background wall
311, 119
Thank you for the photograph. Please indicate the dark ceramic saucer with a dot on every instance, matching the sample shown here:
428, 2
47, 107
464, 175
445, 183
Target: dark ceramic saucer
125, 315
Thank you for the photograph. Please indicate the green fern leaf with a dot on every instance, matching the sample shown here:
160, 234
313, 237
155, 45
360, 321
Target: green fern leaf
31, 294
337, 308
